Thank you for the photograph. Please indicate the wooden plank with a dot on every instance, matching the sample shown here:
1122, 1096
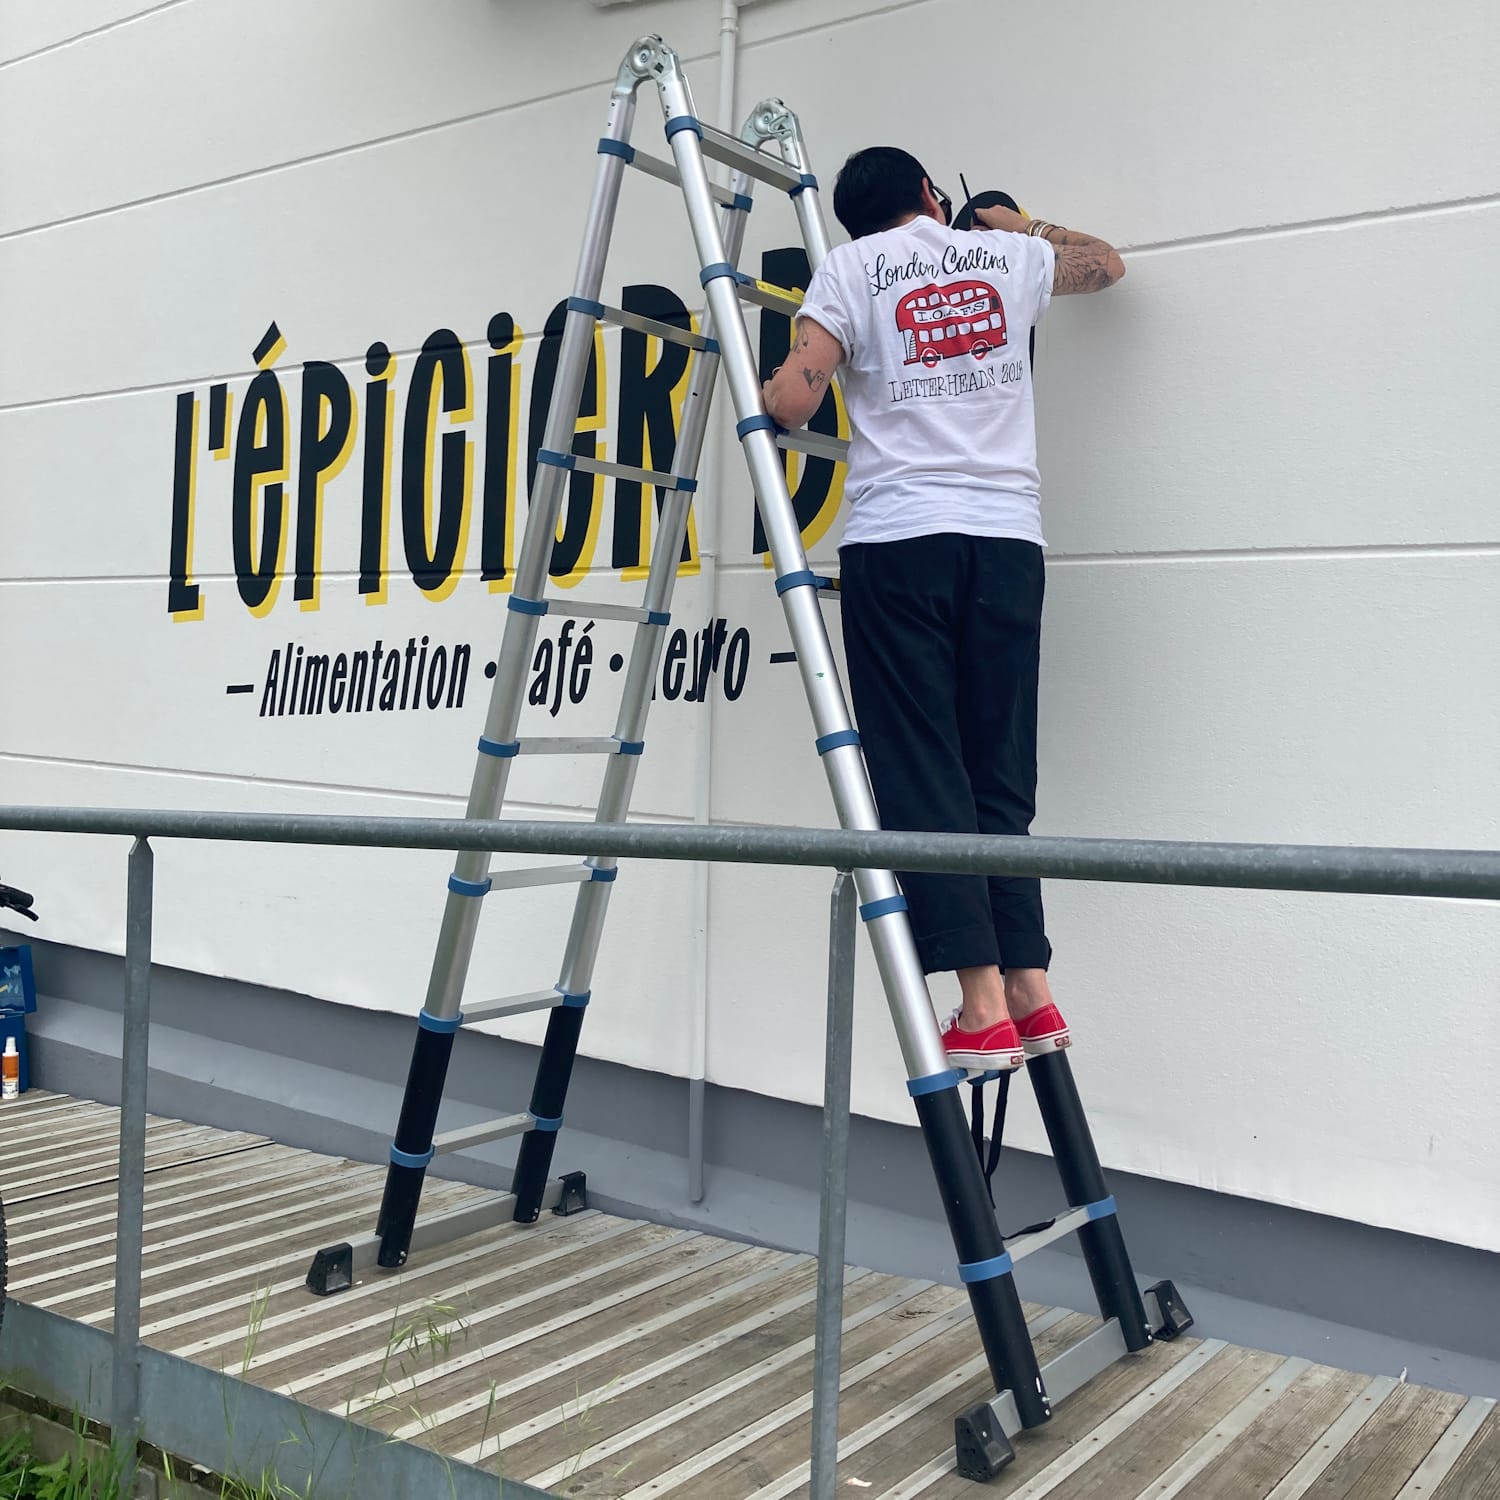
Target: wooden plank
1386, 1451
1476, 1475
779, 1466
171, 1280
618, 1351
1168, 1430
1438, 1466
926, 1440
1300, 1478
622, 1444
211, 1298
162, 1154
25, 1135
99, 1162
332, 1332
619, 1269
74, 1261
183, 1184
1266, 1451
1226, 1432
292, 1311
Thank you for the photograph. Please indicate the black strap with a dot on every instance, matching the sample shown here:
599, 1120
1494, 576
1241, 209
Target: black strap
988, 1162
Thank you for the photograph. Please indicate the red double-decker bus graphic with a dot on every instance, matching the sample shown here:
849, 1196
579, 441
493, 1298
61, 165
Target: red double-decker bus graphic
938, 322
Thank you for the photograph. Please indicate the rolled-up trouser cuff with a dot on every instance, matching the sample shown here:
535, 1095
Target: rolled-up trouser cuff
1024, 950
971, 946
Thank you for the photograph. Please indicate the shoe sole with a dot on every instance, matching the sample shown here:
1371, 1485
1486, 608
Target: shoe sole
1002, 1062
1042, 1045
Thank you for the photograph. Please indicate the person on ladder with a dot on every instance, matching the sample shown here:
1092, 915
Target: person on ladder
941, 557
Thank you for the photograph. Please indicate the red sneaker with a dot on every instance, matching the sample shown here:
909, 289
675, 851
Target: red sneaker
1044, 1031
996, 1048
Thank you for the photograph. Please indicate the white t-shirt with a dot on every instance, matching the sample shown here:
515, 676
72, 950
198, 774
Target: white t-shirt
934, 325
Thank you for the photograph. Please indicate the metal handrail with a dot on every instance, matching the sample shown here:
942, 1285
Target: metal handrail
1473, 874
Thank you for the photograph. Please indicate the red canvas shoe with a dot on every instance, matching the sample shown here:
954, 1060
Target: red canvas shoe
1044, 1031
995, 1049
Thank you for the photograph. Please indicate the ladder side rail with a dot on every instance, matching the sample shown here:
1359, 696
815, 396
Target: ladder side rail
560, 1045
933, 1082
1100, 1237
1101, 1240
438, 1022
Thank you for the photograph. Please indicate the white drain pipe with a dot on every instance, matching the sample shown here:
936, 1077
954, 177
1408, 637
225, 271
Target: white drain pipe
711, 476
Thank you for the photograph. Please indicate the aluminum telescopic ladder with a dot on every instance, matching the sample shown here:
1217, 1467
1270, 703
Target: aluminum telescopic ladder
986, 1260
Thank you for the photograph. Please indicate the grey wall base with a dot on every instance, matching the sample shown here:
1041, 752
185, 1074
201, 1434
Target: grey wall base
247, 1058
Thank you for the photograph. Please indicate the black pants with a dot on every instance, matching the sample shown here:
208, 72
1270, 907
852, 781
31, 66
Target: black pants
942, 635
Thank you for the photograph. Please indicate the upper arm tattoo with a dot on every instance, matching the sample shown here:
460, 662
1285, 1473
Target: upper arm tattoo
1080, 268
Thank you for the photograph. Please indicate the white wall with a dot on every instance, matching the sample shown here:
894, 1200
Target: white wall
1269, 488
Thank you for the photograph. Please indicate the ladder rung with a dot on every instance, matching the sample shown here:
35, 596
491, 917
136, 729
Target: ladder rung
778, 299
510, 880
476, 1135
548, 744
668, 331
654, 166
816, 444
625, 471
1063, 1224
733, 153
588, 610
511, 1005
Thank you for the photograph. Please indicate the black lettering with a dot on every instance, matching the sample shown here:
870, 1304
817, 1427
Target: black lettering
645, 428
672, 667
388, 686
459, 679
440, 378
314, 684
296, 678
584, 490
273, 682
437, 677
541, 664
183, 597
337, 682
375, 511
260, 471
582, 669
322, 453
736, 664
501, 391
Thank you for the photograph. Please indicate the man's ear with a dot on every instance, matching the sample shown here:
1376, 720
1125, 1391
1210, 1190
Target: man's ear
930, 205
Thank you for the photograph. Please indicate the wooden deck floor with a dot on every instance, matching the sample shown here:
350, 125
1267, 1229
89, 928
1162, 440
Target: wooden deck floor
596, 1356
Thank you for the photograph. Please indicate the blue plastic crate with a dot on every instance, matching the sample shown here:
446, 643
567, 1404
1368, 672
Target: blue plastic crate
17, 997
17, 982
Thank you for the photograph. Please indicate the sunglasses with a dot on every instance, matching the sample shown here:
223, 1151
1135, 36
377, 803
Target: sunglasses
944, 202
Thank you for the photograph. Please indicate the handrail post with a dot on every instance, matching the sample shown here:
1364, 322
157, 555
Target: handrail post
125, 1393
835, 1194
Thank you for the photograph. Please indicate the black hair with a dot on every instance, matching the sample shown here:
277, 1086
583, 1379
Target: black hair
875, 188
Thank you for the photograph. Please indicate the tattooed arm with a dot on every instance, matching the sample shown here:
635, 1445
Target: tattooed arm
796, 390
1083, 263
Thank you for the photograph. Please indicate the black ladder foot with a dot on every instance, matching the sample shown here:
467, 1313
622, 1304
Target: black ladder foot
332, 1270
1175, 1318
981, 1447
573, 1194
